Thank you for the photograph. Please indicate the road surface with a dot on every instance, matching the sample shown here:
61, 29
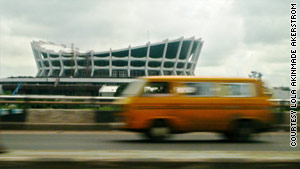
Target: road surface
115, 140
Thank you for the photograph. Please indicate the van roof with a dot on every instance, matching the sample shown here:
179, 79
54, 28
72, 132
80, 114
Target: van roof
199, 78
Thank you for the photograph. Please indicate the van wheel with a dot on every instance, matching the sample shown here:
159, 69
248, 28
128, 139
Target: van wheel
242, 131
159, 130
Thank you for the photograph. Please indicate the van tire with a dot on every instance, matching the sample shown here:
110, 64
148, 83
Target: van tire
242, 131
159, 130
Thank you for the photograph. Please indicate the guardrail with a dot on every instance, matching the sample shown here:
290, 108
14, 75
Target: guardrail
86, 97
284, 103
282, 100
29, 99
75, 100
57, 97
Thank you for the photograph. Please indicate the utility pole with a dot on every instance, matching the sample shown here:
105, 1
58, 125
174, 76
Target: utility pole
255, 74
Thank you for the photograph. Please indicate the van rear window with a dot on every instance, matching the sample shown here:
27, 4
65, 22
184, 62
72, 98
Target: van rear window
236, 89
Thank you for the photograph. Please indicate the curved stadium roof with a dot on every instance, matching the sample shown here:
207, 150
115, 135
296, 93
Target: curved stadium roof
174, 57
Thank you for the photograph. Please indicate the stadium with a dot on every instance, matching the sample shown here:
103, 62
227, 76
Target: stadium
176, 57
63, 70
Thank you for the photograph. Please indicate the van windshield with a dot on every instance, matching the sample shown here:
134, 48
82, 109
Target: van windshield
133, 88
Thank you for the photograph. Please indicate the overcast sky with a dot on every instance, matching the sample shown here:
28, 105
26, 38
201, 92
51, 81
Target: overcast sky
239, 36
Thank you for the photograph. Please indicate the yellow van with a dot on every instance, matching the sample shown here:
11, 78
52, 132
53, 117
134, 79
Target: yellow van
158, 106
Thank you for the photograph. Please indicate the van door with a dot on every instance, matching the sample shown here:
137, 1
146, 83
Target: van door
156, 101
197, 105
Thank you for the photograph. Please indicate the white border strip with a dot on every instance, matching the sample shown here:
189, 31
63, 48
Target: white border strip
293, 76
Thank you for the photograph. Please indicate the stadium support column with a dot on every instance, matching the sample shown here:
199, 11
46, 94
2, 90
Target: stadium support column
129, 61
76, 63
188, 55
177, 55
197, 55
147, 58
36, 58
163, 57
110, 62
50, 65
93, 64
61, 64
43, 66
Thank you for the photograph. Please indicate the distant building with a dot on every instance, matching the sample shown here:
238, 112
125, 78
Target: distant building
108, 91
61, 86
281, 93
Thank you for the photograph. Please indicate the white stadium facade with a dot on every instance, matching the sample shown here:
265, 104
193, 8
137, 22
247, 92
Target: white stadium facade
63, 70
174, 57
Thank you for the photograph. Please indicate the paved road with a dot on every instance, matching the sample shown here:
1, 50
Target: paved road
129, 141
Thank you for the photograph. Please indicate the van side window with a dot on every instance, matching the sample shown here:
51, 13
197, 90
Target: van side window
203, 89
236, 89
156, 89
